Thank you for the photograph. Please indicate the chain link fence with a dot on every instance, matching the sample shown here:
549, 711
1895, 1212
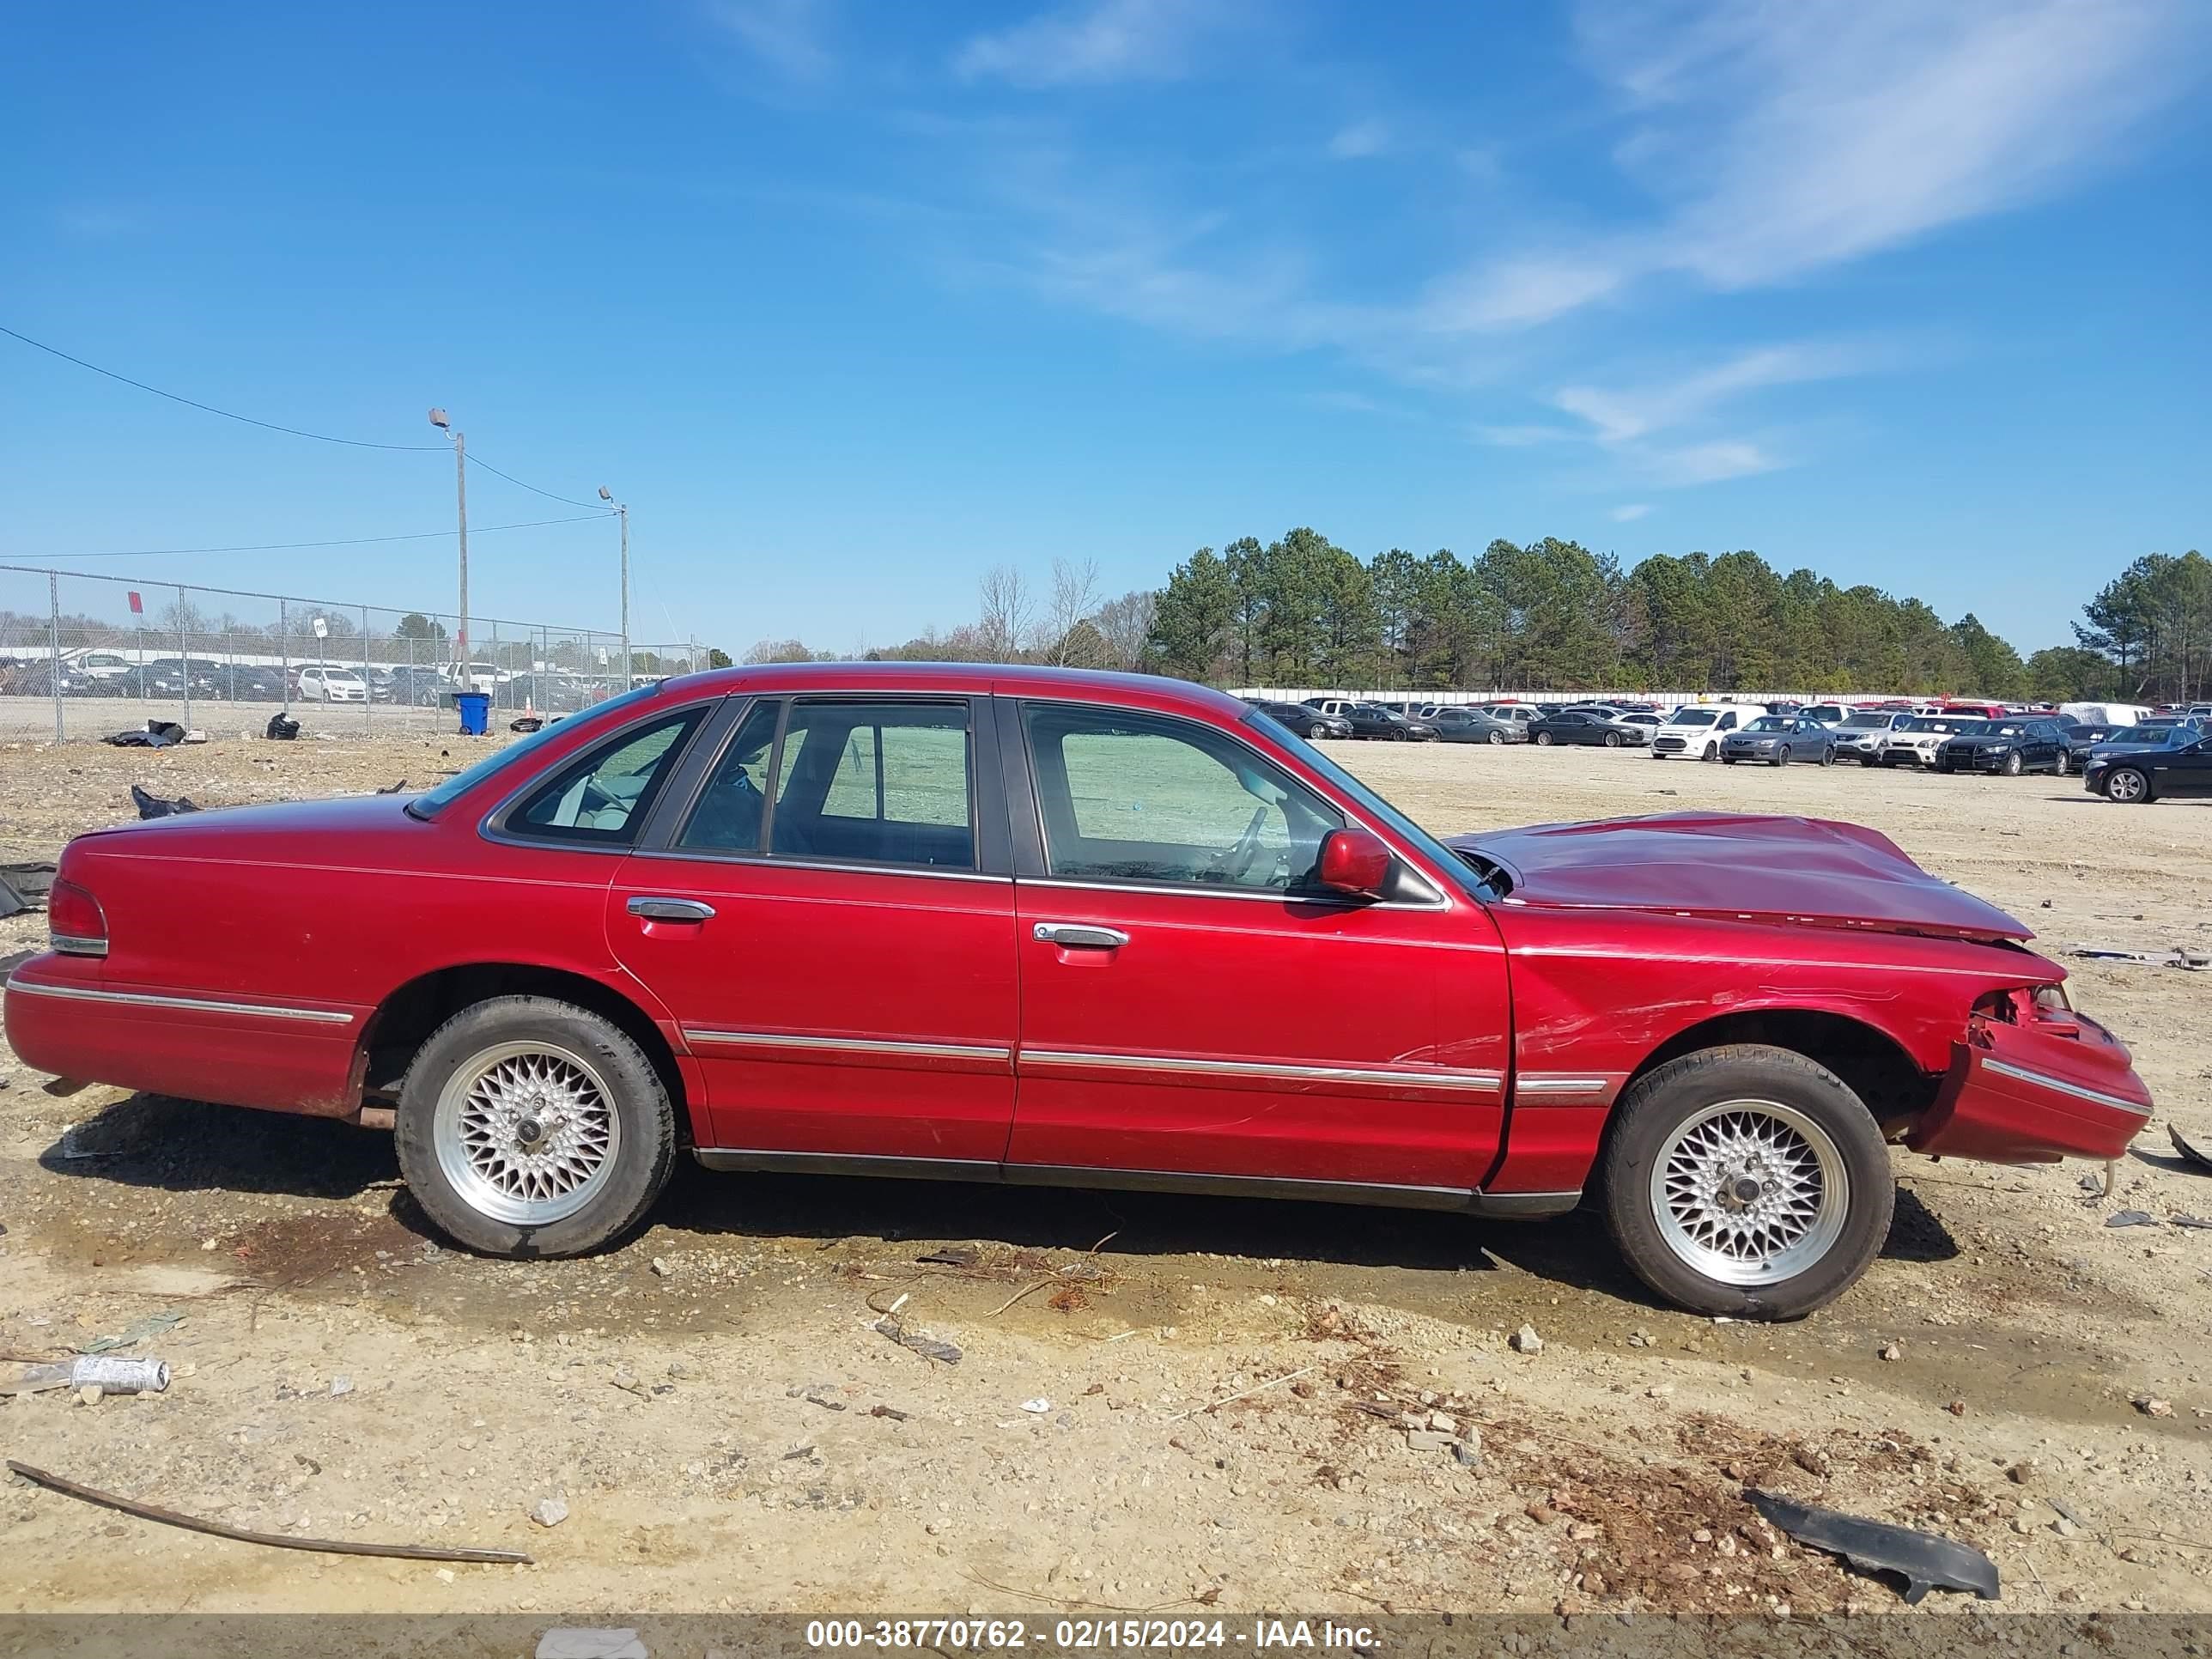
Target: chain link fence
85, 656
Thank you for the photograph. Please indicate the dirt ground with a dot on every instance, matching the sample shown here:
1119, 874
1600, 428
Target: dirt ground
1161, 1402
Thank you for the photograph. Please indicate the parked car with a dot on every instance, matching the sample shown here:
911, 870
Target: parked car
1920, 739
1973, 708
2007, 746
1861, 733
1697, 729
1778, 739
1828, 713
1570, 726
1520, 713
2144, 762
246, 682
1370, 720
1307, 722
1454, 723
1647, 719
694, 920
321, 683
2080, 740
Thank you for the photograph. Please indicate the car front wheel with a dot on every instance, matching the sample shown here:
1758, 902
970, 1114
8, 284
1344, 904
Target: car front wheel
2127, 786
2012, 764
1612, 739
1498, 737
529, 1127
1747, 1181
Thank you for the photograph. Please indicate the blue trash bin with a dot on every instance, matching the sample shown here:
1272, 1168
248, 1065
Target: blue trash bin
475, 711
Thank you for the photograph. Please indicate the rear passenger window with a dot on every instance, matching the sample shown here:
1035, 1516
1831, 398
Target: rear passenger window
876, 783
603, 797
732, 807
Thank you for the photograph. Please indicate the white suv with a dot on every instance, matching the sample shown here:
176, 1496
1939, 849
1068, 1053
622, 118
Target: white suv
1920, 739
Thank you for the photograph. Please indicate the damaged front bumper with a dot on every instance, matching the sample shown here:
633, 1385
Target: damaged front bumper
2016, 1094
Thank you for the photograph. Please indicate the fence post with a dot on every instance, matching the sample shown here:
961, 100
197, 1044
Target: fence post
184, 657
54, 644
285, 652
367, 685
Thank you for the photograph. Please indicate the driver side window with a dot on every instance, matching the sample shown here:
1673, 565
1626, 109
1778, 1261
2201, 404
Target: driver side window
1136, 798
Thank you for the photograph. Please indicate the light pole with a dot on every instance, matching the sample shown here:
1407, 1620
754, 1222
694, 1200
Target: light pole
621, 512
461, 491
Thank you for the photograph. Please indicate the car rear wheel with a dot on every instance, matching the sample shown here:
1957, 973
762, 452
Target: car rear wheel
2012, 764
532, 1128
2062, 765
1544, 739
2127, 786
1712, 752
1747, 1181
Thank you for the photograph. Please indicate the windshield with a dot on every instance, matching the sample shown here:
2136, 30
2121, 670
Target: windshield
1941, 723
1692, 717
1772, 723
2146, 735
1866, 722
1453, 867
429, 805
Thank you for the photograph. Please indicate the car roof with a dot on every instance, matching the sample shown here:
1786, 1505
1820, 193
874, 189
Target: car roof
971, 679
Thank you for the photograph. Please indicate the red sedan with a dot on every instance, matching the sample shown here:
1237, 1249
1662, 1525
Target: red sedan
1007, 925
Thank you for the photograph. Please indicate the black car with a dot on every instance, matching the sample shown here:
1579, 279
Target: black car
1307, 722
2080, 739
2141, 764
1778, 739
246, 682
1371, 719
2010, 747
1569, 726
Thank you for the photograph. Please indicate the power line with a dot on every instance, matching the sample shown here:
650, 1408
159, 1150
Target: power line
352, 541
567, 501
193, 403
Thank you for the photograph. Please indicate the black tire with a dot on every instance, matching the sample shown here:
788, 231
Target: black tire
1496, 737
1672, 1095
1728, 759
1828, 755
1869, 760
1543, 740
1712, 752
1782, 755
2013, 764
2060, 766
2135, 794
1612, 739
644, 1151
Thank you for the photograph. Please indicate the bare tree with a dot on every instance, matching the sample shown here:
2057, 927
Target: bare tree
1126, 624
1004, 624
778, 650
1075, 594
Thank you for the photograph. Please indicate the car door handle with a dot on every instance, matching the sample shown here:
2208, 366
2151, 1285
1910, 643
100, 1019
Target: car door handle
1079, 936
671, 909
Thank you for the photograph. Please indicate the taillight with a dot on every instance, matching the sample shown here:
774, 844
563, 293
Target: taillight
76, 925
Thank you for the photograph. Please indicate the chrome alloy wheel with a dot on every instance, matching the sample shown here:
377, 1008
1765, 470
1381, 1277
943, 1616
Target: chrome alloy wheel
1749, 1192
2125, 785
526, 1133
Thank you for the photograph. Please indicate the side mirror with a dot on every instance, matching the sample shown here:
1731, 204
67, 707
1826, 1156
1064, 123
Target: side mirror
1353, 861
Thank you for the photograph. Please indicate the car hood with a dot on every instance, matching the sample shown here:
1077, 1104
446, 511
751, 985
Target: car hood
1778, 869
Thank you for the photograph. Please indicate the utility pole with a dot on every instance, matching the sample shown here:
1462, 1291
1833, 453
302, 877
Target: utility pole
461, 495
621, 512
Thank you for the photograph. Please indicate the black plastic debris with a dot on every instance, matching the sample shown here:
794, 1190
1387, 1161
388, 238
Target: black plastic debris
31, 880
12, 903
153, 806
2194, 1222
1920, 1559
281, 728
2194, 1156
2130, 1219
527, 723
158, 734
395, 789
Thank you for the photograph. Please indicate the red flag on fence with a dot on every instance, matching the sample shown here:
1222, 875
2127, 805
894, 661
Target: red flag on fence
138, 604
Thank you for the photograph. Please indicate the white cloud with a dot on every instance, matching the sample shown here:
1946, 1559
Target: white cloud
1619, 417
785, 34
1630, 513
1096, 43
1710, 463
1783, 138
1359, 140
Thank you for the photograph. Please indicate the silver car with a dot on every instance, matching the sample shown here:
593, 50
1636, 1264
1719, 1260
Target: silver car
1860, 735
1458, 724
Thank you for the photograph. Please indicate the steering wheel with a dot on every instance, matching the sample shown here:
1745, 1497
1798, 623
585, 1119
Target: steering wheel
1235, 863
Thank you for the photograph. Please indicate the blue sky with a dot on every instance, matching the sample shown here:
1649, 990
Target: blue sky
852, 302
